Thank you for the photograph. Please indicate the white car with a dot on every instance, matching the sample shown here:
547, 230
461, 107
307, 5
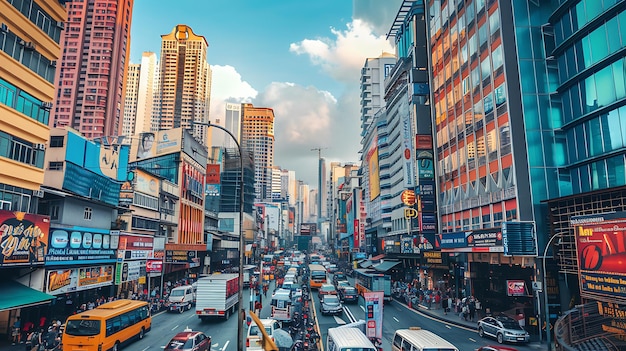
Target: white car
254, 339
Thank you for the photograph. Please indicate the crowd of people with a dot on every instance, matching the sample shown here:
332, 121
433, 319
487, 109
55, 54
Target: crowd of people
41, 337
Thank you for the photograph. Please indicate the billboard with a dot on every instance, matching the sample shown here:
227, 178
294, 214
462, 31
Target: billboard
80, 245
127, 271
76, 279
374, 314
480, 240
372, 162
146, 183
213, 173
23, 238
407, 136
109, 160
601, 248
151, 144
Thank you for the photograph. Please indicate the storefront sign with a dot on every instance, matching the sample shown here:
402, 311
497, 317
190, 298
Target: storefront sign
485, 238
23, 238
601, 246
374, 314
78, 245
154, 266
127, 271
136, 242
77, 279
482, 240
433, 257
180, 256
516, 288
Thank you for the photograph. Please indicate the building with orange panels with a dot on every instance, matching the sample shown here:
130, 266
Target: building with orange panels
257, 136
90, 75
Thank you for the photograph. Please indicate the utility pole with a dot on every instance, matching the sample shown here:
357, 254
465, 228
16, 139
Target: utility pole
319, 184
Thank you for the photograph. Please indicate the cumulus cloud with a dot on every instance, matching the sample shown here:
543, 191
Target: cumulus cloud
379, 14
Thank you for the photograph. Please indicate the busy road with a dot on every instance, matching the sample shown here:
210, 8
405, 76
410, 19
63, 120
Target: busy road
224, 333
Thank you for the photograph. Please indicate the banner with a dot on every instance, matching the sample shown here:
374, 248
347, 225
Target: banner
374, 314
79, 245
23, 238
127, 271
180, 256
213, 173
154, 266
147, 184
516, 288
76, 279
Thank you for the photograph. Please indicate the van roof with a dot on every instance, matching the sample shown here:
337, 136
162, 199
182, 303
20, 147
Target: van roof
182, 287
350, 338
424, 338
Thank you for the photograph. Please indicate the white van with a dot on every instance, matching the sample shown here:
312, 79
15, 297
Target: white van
418, 339
181, 298
346, 339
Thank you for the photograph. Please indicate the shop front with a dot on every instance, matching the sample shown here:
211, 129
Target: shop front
131, 278
181, 261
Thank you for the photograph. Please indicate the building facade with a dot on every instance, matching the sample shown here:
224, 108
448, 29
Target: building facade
91, 72
141, 94
257, 136
185, 82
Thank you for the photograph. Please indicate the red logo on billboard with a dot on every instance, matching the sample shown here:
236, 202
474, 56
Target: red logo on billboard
212, 174
408, 197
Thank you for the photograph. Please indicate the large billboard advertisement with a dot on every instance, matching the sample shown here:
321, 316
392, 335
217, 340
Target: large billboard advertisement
601, 247
75, 279
372, 162
151, 144
480, 240
80, 245
407, 135
23, 238
146, 183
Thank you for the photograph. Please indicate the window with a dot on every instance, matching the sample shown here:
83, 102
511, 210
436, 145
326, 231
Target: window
56, 141
88, 213
55, 166
5, 205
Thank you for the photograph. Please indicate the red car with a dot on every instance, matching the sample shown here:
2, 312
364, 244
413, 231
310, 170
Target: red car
189, 340
496, 348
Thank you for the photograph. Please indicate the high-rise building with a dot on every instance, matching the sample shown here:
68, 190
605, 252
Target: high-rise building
185, 85
92, 70
373, 75
257, 136
139, 100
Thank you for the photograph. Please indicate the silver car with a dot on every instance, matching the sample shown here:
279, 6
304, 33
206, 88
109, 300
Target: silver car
503, 328
331, 305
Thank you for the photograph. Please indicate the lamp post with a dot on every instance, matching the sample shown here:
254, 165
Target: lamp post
545, 292
240, 345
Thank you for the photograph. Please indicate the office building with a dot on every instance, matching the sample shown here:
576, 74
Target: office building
185, 82
257, 136
91, 72
141, 94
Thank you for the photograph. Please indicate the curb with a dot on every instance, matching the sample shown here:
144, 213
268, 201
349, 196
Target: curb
425, 310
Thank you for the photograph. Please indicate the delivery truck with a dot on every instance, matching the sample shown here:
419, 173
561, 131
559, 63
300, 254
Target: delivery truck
217, 295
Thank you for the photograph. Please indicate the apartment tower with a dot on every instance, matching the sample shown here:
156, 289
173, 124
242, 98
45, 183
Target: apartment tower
91, 73
257, 136
140, 97
185, 85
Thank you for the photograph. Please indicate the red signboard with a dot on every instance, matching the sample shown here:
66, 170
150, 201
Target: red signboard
516, 288
23, 238
356, 233
154, 266
213, 174
136, 242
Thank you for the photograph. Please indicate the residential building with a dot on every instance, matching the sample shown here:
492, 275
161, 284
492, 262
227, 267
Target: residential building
91, 72
29, 51
185, 82
232, 122
257, 136
141, 94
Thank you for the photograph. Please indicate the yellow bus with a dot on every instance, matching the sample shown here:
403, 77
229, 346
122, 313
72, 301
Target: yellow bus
107, 326
318, 275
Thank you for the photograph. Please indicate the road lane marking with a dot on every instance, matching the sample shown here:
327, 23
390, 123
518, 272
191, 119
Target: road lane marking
148, 348
339, 321
363, 308
449, 327
432, 318
215, 345
225, 345
396, 319
175, 327
472, 340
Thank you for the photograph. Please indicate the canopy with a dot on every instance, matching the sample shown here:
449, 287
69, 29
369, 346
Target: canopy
365, 264
386, 265
16, 295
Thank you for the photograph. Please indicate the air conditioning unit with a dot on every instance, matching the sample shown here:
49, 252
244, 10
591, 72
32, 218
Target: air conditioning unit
38, 193
40, 146
4, 28
61, 24
46, 104
53, 63
29, 46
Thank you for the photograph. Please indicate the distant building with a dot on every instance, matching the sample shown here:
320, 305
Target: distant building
92, 70
257, 136
141, 94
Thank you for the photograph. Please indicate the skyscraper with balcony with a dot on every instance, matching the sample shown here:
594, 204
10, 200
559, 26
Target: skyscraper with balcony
257, 136
141, 94
91, 72
185, 85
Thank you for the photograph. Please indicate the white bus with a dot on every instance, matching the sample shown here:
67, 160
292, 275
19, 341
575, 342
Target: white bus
348, 339
418, 339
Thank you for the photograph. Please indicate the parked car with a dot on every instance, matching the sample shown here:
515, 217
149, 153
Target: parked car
331, 305
495, 348
503, 328
348, 294
254, 339
189, 340
339, 276
326, 289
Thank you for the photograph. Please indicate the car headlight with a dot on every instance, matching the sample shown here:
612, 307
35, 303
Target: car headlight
508, 333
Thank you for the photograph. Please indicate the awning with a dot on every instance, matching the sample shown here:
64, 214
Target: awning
365, 264
386, 265
379, 257
16, 295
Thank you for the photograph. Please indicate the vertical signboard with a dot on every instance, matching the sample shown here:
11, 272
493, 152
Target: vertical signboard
374, 314
407, 144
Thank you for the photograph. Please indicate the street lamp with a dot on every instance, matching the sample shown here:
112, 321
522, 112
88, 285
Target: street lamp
545, 292
240, 345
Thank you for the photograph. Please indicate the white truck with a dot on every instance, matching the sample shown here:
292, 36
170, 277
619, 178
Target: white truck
217, 295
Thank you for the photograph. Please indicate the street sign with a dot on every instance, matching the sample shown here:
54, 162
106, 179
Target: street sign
537, 286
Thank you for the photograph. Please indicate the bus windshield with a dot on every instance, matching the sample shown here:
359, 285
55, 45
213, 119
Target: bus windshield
318, 274
82, 327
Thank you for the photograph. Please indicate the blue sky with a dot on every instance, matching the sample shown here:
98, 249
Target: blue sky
301, 58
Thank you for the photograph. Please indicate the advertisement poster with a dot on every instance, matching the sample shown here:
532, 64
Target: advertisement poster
601, 247
23, 238
78, 245
180, 256
127, 271
373, 168
151, 144
516, 288
154, 266
374, 314
147, 184
75, 279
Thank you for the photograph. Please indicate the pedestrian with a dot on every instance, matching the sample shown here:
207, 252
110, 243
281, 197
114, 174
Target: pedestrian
444, 305
52, 339
17, 329
472, 308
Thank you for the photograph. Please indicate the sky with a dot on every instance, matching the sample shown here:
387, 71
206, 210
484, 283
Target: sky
300, 57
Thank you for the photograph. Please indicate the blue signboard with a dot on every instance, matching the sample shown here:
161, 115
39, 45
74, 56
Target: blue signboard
80, 245
453, 240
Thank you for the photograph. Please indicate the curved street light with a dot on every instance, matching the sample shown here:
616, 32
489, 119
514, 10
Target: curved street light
240, 315
545, 291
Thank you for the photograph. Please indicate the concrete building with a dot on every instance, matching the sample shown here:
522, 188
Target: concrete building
29, 52
141, 94
185, 82
91, 72
257, 136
